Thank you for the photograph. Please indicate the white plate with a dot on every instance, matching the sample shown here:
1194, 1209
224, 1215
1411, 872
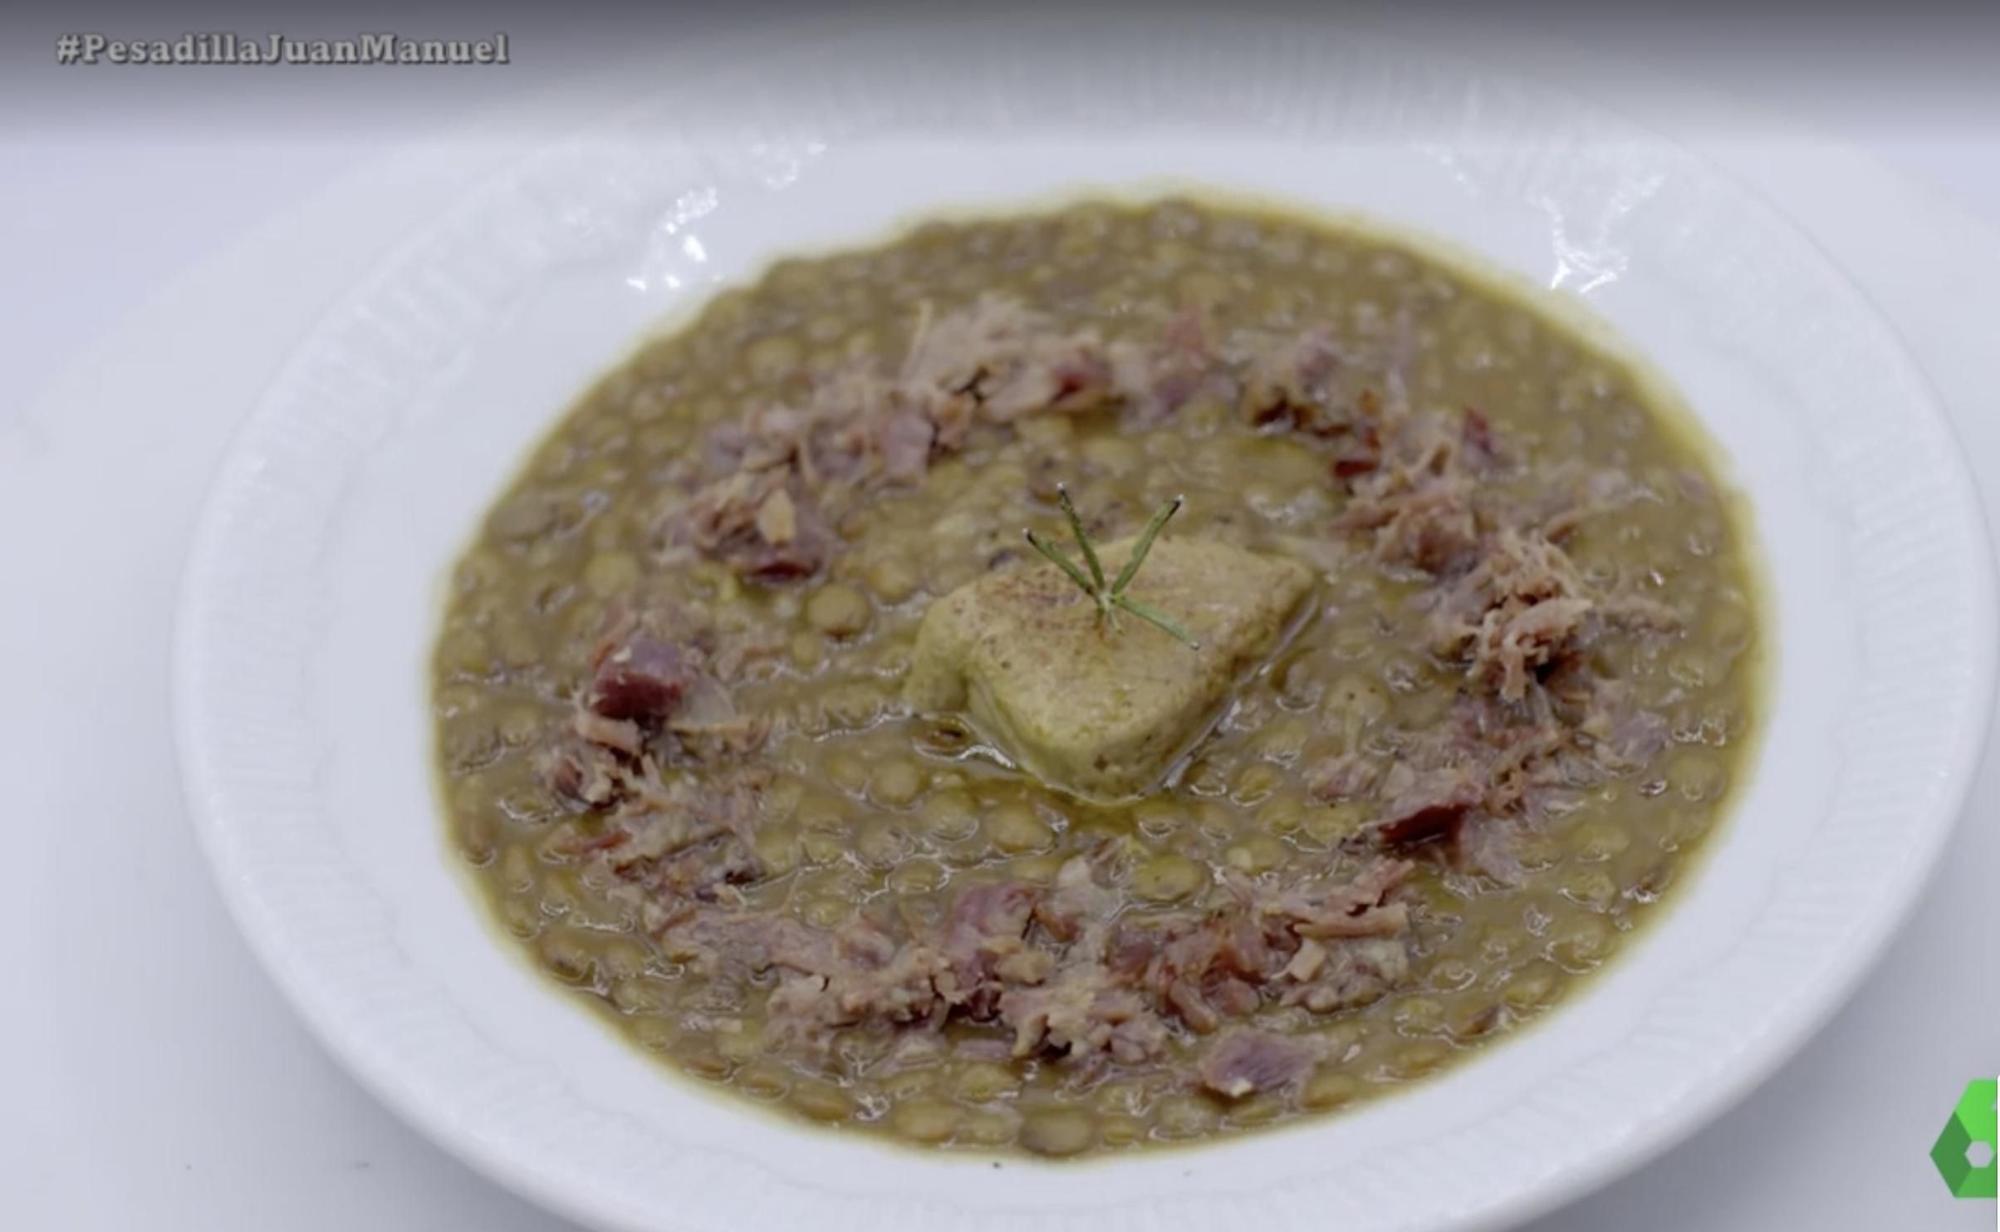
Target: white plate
313, 590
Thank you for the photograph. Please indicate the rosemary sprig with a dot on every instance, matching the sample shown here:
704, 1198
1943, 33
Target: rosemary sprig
1111, 599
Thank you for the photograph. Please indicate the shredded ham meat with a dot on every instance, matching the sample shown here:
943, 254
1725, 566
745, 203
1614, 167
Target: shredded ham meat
1060, 969
1068, 971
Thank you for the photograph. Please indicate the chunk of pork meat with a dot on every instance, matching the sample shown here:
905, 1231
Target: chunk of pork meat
1332, 909
640, 680
985, 946
1154, 381
1423, 805
1008, 360
758, 524
1246, 1061
1078, 903
1351, 974
1518, 611
1419, 499
1083, 1011
1288, 383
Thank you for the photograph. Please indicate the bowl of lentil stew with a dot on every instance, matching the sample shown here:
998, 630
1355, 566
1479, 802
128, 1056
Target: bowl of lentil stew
341, 886
679, 757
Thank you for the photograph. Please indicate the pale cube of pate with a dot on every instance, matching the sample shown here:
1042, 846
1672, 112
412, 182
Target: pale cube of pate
1103, 712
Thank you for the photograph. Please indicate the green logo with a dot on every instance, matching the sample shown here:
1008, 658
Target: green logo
1964, 1152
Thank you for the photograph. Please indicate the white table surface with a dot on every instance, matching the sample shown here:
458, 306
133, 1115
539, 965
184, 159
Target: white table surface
151, 1075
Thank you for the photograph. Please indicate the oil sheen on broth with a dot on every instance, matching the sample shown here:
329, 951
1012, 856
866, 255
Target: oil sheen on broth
681, 759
